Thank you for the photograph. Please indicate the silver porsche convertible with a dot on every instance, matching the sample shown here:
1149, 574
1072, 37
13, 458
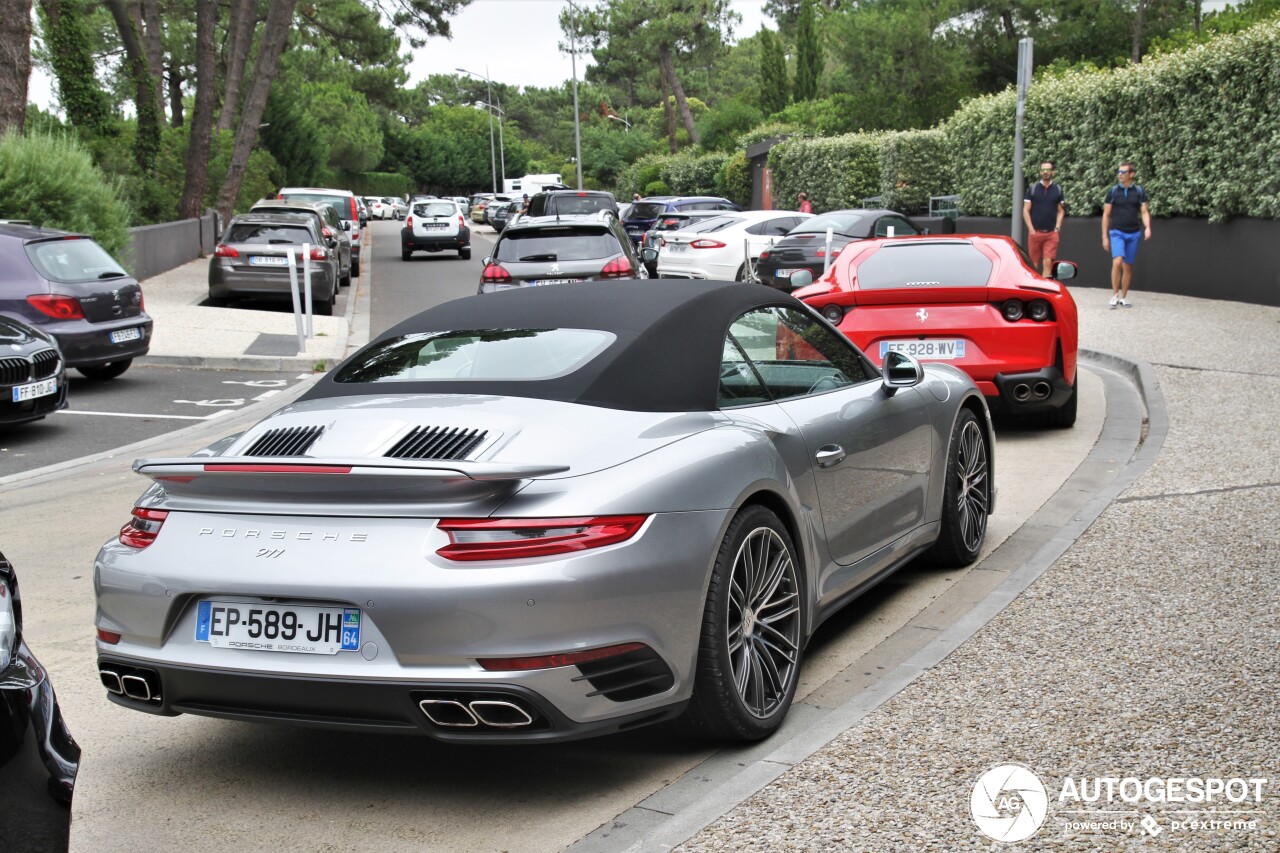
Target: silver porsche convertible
544, 514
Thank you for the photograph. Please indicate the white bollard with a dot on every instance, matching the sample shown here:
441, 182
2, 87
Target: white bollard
306, 277
297, 306
826, 256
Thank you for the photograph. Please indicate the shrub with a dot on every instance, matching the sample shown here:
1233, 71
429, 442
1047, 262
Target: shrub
693, 173
379, 183
637, 177
837, 172
914, 166
52, 181
768, 131
656, 188
734, 180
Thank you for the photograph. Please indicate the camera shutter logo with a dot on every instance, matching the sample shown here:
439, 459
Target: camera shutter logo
1009, 803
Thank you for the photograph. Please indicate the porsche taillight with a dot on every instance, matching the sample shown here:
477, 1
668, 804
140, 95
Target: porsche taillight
519, 538
141, 530
619, 267
494, 273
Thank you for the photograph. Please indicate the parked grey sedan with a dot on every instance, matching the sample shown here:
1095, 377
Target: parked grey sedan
544, 514
252, 260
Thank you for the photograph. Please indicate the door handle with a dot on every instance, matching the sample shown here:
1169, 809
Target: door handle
829, 455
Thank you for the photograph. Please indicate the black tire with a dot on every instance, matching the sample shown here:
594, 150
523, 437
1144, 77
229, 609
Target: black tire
345, 281
355, 269
742, 274
750, 646
465, 254
966, 497
1063, 417
110, 370
323, 309
216, 302
406, 254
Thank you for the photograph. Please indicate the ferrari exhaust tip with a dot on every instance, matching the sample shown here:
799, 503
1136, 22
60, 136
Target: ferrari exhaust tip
1041, 390
1021, 392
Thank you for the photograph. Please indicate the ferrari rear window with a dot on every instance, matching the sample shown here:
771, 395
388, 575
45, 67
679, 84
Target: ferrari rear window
924, 265
477, 354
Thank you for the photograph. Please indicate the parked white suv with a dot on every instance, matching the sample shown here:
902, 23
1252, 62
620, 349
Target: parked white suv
343, 201
435, 225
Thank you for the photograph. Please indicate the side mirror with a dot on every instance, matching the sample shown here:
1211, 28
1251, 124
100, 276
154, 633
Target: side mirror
801, 278
648, 254
900, 371
1064, 270
488, 259
346, 225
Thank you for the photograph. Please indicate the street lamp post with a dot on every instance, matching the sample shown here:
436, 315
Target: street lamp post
493, 165
623, 120
577, 119
502, 147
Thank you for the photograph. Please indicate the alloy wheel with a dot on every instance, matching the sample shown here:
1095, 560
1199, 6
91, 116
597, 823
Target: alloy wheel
972, 496
763, 628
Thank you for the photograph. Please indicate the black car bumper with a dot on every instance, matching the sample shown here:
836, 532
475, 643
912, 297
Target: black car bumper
358, 705
410, 242
34, 409
1034, 391
38, 760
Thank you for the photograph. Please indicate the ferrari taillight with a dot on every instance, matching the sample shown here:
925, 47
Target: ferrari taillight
619, 267
143, 528
494, 273
57, 307
518, 538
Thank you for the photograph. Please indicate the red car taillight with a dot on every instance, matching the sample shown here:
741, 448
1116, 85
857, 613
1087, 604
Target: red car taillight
462, 223
319, 253
619, 267
494, 273
764, 256
143, 528
57, 307
517, 538
327, 232
553, 661
221, 251
355, 211
706, 244
408, 222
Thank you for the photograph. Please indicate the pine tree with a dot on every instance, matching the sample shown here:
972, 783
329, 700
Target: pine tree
775, 89
808, 54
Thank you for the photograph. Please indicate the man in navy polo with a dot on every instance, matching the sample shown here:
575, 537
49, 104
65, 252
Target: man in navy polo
1125, 221
1042, 210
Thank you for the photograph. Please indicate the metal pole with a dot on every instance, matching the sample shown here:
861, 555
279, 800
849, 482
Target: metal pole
493, 166
577, 119
502, 148
1024, 82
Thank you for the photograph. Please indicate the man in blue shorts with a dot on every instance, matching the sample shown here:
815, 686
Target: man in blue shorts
1125, 220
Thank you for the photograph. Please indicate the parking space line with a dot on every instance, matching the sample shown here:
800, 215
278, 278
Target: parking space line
139, 415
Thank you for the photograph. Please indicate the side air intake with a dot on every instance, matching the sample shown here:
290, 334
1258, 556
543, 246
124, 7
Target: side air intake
437, 443
286, 441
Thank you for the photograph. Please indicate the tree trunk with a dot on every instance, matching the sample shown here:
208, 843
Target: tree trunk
239, 39
147, 145
682, 103
148, 15
197, 180
1139, 23
275, 35
667, 109
15, 63
176, 79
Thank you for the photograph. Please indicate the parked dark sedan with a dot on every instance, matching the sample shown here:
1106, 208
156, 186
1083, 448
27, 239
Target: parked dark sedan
500, 213
805, 247
644, 213
38, 757
33, 378
252, 260
67, 286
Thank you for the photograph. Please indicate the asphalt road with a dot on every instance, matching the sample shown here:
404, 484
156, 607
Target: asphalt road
191, 783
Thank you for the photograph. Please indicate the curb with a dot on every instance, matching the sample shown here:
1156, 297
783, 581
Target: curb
1132, 434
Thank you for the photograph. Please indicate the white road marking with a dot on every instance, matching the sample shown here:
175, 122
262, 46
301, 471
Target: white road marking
266, 394
140, 415
258, 383
216, 404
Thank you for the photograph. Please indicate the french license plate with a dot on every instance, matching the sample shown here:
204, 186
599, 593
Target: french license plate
435, 225
634, 232
784, 273
272, 628
121, 335
931, 349
677, 247
268, 261
31, 391
541, 281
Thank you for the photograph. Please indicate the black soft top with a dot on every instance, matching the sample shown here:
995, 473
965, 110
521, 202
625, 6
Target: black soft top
666, 356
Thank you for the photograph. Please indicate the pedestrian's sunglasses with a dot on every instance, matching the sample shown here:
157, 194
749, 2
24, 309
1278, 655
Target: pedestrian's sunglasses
1123, 171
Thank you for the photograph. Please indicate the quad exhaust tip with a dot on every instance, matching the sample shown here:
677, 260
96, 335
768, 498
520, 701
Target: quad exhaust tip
111, 681
493, 713
140, 685
1021, 392
1041, 390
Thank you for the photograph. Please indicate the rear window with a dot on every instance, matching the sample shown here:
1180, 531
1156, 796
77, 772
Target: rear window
924, 265
484, 354
73, 260
711, 223
841, 223
434, 209
647, 209
341, 203
268, 234
572, 205
557, 244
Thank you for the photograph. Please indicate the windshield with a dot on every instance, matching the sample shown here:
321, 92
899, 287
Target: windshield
841, 223
471, 354
647, 209
436, 209
924, 265
73, 260
557, 244
342, 204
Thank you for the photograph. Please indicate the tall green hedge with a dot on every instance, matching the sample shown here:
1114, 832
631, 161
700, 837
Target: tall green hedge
51, 180
694, 173
914, 166
1202, 125
836, 172
378, 183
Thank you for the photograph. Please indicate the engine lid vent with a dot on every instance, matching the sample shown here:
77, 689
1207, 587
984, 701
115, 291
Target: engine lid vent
437, 443
286, 441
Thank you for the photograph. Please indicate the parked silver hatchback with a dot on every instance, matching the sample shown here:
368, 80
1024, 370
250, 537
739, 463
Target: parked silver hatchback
252, 260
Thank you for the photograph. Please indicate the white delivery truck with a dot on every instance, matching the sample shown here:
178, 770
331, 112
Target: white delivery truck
532, 184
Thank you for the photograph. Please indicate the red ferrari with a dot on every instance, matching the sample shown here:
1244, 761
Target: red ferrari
969, 300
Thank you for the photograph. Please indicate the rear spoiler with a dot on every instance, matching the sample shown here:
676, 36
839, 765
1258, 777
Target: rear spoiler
187, 469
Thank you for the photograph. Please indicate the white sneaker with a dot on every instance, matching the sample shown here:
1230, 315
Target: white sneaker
1125, 303
1115, 300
